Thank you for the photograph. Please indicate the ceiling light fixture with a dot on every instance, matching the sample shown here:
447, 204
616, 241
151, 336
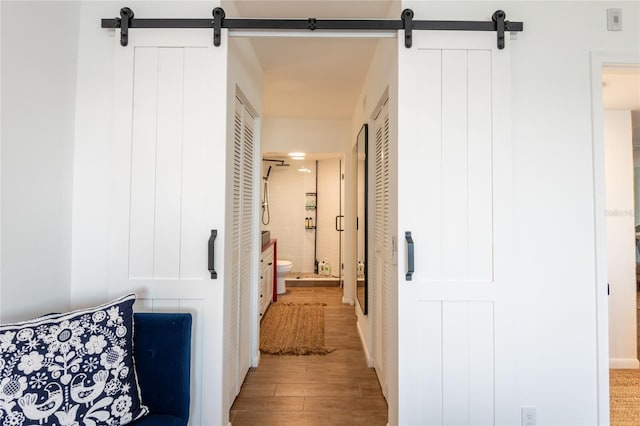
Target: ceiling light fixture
297, 158
296, 154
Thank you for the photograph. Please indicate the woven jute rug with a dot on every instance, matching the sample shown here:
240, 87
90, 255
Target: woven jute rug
625, 397
293, 329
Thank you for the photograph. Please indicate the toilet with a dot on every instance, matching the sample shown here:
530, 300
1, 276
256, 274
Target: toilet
283, 267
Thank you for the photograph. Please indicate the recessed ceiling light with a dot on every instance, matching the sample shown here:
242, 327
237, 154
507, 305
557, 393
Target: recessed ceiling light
296, 154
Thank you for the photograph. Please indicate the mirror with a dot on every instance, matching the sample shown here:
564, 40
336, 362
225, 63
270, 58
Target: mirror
361, 219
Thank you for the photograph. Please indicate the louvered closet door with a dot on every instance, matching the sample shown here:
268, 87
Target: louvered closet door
382, 251
242, 247
454, 196
168, 184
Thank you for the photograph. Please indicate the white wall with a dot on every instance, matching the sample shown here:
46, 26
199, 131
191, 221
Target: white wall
635, 124
621, 251
306, 135
635, 136
1, 116
93, 134
554, 239
39, 52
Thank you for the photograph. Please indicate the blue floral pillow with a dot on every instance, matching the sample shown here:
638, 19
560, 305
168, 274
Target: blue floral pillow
73, 369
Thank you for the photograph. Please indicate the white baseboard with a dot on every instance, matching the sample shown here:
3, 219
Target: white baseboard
348, 301
623, 363
364, 346
256, 360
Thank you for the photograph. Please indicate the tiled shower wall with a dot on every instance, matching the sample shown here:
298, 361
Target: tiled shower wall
287, 199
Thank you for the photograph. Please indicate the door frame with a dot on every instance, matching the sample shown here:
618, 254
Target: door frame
600, 59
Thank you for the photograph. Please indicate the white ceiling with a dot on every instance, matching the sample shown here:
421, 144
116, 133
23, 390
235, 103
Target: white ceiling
313, 78
318, 78
621, 88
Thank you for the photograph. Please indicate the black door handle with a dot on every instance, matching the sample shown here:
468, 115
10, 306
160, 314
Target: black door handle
339, 226
410, 256
212, 252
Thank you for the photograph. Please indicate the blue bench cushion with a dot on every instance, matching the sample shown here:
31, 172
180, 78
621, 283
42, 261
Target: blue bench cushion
159, 420
162, 347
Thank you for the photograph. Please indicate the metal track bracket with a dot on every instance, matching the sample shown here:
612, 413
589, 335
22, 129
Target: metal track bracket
407, 24
218, 17
126, 16
498, 18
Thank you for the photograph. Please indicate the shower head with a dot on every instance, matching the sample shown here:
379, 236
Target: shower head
281, 163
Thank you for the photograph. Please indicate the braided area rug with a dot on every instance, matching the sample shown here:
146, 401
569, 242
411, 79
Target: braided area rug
624, 397
293, 329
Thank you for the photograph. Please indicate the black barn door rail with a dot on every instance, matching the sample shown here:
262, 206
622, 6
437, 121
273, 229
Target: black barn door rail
498, 23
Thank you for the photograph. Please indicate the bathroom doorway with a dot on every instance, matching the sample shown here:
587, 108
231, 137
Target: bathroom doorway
302, 199
622, 161
614, 162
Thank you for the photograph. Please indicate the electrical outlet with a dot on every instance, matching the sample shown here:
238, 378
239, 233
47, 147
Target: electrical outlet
529, 416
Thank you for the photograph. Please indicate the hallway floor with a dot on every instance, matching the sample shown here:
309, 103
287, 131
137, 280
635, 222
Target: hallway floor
333, 389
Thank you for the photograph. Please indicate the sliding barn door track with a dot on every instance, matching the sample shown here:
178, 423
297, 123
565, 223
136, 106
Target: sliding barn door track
498, 23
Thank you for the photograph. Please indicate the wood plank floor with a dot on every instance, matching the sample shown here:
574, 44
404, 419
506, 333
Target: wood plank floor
333, 389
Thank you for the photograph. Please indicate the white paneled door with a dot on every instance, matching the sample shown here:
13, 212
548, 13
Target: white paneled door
168, 191
454, 196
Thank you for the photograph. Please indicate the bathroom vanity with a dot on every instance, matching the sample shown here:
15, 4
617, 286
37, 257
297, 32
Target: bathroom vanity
267, 275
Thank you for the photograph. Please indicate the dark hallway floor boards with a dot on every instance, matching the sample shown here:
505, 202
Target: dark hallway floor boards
323, 390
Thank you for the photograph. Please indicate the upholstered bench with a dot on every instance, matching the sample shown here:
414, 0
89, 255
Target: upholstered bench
97, 366
162, 354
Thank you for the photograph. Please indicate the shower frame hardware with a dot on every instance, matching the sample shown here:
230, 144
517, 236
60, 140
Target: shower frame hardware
315, 228
498, 23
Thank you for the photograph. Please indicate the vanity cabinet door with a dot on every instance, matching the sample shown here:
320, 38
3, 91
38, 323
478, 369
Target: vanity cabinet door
262, 298
268, 276
266, 280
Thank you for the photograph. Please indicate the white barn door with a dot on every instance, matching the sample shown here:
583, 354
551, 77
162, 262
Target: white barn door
454, 196
168, 191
